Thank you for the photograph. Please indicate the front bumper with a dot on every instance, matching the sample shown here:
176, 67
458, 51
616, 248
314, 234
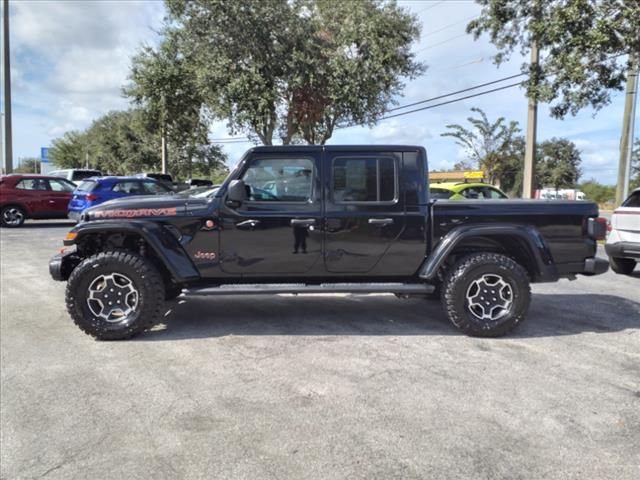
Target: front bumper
623, 249
62, 264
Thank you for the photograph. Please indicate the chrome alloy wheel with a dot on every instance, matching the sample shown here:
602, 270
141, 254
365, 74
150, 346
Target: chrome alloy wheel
489, 297
112, 297
13, 216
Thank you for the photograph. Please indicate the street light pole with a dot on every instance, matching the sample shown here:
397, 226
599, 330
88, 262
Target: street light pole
8, 144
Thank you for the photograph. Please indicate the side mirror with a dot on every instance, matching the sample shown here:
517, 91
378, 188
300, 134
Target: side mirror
237, 192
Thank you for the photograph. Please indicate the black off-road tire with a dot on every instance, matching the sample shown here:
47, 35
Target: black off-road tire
473, 267
22, 216
622, 265
146, 280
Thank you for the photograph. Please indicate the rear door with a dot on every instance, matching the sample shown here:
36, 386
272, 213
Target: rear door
34, 194
60, 192
365, 211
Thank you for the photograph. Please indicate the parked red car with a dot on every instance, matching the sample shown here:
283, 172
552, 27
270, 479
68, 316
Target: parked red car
33, 196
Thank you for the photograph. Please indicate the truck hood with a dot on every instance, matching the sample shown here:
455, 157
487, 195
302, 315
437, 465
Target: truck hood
152, 206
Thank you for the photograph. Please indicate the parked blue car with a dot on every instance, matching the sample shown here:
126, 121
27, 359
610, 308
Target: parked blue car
97, 190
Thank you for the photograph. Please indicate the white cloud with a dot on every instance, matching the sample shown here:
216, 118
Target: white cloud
70, 60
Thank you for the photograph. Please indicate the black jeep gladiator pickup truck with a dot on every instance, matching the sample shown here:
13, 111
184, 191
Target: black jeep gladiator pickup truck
323, 219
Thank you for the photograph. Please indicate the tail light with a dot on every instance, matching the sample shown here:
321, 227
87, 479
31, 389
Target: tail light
597, 228
91, 197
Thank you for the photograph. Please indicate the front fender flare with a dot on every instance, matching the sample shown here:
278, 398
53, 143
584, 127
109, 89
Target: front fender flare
163, 243
529, 238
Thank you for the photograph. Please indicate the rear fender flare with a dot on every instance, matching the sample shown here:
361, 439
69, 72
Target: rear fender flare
543, 268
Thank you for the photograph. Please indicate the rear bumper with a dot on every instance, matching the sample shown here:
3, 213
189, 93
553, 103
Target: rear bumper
595, 266
623, 249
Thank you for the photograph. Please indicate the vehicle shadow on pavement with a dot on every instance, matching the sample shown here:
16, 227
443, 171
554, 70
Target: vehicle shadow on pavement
550, 315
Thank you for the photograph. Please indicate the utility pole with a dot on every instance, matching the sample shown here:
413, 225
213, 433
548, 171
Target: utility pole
8, 144
626, 139
164, 152
532, 118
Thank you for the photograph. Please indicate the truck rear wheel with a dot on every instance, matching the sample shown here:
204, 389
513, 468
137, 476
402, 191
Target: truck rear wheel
486, 294
115, 295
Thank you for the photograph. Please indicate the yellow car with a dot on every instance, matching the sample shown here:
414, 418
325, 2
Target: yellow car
465, 191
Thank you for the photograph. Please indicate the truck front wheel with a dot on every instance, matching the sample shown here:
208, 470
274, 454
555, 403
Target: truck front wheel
486, 294
114, 295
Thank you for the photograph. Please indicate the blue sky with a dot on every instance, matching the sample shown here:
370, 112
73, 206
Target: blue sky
70, 60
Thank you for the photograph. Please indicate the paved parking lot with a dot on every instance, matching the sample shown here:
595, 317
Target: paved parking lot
317, 387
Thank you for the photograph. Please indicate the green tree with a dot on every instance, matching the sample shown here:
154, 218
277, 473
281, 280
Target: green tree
28, 165
69, 150
487, 144
558, 164
296, 68
163, 84
597, 192
122, 143
582, 42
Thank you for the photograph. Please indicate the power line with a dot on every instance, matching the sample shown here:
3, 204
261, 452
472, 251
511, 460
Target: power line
464, 90
429, 7
441, 43
452, 101
472, 17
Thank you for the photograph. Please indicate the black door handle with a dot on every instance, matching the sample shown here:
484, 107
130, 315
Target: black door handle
247, 224
302, 222
380, 222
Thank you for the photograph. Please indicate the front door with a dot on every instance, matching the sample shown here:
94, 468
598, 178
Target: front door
278, 230
364, 210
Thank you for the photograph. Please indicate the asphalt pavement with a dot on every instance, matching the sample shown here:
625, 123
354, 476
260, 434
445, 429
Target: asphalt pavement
316, 387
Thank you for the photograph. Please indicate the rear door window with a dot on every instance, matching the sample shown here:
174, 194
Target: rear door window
364, 180
32, 184
129, 187
154, 188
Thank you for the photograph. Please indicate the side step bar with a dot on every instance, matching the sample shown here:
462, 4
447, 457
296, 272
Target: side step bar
301, 288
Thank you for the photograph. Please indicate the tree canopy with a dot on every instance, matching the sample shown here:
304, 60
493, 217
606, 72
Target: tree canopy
487, 144
583, 44
120, 142
295, 68
497, 148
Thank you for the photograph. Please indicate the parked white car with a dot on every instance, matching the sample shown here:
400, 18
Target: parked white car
623, 239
